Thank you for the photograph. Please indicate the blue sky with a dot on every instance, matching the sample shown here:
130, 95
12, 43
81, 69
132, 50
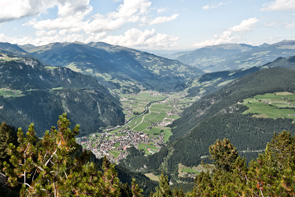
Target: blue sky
148, 24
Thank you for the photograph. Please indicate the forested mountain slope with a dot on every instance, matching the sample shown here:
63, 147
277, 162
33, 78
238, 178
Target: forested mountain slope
261, 82
31, 92
219, 115
288, 62
210, 82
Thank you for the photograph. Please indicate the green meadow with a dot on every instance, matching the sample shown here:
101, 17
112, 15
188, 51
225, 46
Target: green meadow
10, 93
271, 105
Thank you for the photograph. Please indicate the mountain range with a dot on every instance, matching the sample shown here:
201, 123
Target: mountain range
234, 56
40, 90
116, 67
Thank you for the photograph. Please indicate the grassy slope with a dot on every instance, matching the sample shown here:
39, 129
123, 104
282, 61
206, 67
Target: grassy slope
276, 105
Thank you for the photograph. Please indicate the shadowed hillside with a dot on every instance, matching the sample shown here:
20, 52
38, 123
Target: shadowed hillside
31, 92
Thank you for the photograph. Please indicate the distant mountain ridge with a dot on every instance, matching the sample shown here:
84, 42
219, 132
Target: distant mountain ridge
117, 67
31, 92
235, 56
12, 49
210, 82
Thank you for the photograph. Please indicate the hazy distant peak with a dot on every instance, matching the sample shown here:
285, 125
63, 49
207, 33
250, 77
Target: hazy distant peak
11, 47
231, 46
285, 44
235, 56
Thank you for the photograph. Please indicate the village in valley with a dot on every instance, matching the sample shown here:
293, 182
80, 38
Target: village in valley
115, 146
148, 116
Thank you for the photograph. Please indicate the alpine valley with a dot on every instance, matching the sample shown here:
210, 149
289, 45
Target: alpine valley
145, 113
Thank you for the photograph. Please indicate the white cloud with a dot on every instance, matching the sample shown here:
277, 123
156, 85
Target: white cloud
101, 23
76, 22
161, 10
245, 25
142, 39
59, 23
14, 40
212, 6
11, 10
95, 37
72, 16
67, 8
45, 37
270, 24
279, 5
3, 38
163, 19
133, 38
289, 25
131, 7
16, 9
230, 34
42, 33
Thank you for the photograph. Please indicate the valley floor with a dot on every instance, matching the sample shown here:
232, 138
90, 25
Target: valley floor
148, 116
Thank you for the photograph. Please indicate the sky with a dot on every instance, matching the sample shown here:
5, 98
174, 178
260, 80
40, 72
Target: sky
147, 24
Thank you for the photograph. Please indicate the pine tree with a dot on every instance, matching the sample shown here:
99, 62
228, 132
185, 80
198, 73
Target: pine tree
85, 182
271, 174
22, 160
163, 190
224, 154
6, 137
110, 183
125, 190
203, 185
177, 192
53, 166
136, 190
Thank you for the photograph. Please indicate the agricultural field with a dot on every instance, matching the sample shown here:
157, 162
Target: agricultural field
152, 177
275, 105
6, 58
6, 93
50, 67
134, 104
148, 116
191, 172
